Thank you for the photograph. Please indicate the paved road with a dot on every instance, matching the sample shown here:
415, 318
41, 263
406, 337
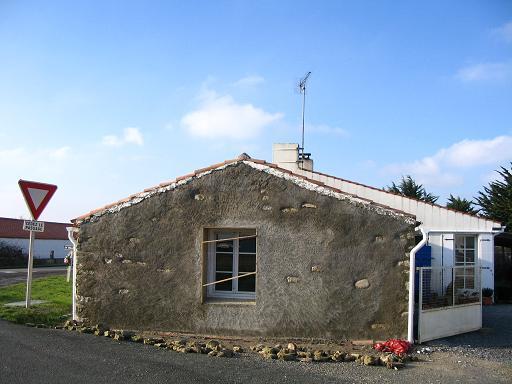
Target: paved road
31, 355
19, 275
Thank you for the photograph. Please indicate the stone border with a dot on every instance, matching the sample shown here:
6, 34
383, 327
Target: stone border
215, 348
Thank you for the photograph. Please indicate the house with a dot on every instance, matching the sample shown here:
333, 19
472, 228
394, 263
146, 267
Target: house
48, 244
247, 247
458, 249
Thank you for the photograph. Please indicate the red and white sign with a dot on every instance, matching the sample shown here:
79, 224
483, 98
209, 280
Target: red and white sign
37, 195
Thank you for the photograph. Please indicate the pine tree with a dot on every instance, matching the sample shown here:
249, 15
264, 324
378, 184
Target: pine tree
460, 204
496, 199
409, 188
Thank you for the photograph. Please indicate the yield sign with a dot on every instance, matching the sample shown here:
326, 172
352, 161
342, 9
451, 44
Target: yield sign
37, 195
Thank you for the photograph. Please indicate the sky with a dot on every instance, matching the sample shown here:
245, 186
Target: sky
107, 98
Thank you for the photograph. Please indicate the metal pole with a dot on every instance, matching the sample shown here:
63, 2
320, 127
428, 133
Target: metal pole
453, 285
420, 302
71, 230
303, 111
68, 275
30, 264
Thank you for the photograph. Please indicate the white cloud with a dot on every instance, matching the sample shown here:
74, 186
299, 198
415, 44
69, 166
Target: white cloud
469, 153
130, 136
446, 166
222, 117
249, 81
485, 72
326, 130
22, 157
504, 32
10, 156
60, 153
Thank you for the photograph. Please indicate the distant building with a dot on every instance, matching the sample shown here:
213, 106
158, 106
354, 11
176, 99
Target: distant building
49, 244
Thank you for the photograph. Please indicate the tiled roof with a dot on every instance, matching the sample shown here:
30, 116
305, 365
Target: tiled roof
13, 229
261, 165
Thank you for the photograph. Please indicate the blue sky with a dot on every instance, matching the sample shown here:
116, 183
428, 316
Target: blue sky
106, 98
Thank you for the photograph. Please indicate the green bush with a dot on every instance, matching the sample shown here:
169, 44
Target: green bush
11, 256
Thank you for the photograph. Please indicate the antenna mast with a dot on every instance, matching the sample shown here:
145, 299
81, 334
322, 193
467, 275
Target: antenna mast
302, 88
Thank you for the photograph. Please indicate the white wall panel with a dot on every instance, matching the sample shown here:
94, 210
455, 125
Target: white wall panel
42, 247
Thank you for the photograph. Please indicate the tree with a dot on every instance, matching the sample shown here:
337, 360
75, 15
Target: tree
460, 204
496, 199
409, 188
11, 255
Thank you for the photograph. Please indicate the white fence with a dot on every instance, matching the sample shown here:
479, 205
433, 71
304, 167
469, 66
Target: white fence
449, 301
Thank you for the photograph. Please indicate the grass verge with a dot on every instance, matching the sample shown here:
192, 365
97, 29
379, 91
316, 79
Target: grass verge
55, 290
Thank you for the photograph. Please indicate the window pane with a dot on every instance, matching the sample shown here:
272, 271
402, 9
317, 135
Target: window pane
459, 282
247, 263
224, 262
459, 257
225, 286
247, 283
459, 242
470, 278
224, 246
470, 242
248, 245
470, 256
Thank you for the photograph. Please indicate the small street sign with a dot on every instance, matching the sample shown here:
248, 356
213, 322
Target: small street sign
37, 195
68, 247
32, 225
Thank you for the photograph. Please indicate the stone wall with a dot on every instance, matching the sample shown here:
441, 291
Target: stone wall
327, 268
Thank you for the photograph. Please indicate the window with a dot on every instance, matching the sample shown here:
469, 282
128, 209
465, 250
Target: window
231, 253
465, 256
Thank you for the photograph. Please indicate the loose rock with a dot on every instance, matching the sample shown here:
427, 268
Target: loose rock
362, 284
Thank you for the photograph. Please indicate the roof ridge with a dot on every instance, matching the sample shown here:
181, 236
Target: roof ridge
239, 159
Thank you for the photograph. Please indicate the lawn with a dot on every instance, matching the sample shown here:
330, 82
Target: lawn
53, 289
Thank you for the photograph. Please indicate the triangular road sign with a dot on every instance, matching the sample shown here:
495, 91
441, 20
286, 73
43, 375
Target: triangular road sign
37, 195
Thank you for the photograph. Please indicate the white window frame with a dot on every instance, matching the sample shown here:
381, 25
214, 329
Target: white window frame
465, 263
211, 261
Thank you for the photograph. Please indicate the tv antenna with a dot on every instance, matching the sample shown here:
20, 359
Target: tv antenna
302, 88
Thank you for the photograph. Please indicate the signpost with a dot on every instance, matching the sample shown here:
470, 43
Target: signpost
37, 195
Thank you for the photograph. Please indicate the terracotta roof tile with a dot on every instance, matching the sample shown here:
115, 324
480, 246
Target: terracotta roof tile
187, 176
240, 159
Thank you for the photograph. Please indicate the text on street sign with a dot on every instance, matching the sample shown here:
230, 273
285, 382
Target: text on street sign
32, 225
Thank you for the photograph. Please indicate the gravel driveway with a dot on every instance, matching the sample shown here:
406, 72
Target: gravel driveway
492, 342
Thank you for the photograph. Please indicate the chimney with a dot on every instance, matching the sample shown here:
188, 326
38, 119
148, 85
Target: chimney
288, 156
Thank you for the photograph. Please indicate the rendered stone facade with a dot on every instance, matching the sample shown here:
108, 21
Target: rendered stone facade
142, 266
